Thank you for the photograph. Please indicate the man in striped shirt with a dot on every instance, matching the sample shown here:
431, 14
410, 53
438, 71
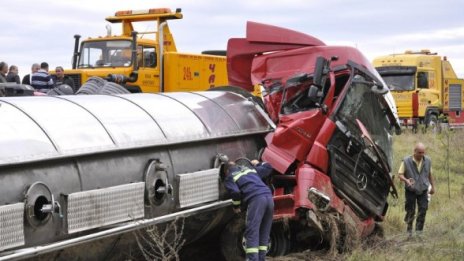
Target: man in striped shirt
41, 80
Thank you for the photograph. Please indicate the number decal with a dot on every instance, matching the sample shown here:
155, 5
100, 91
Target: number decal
187, 74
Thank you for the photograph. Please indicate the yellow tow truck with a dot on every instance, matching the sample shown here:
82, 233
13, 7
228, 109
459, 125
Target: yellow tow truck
424, 86
143, 63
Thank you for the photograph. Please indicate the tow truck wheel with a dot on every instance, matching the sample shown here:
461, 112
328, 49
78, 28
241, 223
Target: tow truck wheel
232, 243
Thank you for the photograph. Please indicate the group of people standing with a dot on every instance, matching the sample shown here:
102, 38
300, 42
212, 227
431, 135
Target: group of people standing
8, 74
39, 78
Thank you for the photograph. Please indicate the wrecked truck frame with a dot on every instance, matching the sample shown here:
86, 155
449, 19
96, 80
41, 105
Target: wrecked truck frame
332, 146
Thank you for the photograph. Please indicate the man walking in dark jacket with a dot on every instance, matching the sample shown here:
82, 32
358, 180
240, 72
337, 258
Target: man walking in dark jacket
416, 172
245, 185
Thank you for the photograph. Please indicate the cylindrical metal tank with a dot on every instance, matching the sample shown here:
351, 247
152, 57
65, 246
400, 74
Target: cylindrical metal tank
73, 165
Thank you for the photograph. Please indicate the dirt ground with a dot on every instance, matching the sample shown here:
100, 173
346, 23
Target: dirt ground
209, 249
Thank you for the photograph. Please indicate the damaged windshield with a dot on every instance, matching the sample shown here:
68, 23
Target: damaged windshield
363, 104
105, 54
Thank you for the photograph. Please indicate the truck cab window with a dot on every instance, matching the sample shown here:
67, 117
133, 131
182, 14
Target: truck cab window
147, 57
422, 80
105, 54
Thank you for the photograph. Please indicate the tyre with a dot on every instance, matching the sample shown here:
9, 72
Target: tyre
113, 88
279, 242
100, 82
240, 91
88, 88
232, 242
92, 85
432, 123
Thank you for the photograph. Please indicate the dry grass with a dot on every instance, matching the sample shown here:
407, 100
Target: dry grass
161, 242
443, 237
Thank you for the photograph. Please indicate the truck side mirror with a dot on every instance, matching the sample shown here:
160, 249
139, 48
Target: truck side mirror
319, 71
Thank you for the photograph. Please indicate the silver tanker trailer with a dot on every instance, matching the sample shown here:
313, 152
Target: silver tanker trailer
91, 168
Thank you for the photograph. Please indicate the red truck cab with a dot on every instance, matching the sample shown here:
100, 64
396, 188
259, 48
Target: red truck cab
332, 145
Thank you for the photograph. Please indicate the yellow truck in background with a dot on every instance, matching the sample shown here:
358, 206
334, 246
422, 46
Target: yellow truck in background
143, 63
424, 86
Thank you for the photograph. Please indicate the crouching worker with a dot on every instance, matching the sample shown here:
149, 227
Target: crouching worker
246, 187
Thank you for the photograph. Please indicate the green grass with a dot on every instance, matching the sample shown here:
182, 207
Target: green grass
443, 237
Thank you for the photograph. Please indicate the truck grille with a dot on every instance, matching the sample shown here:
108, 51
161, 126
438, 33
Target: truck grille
76, 77
455, 97
367, 188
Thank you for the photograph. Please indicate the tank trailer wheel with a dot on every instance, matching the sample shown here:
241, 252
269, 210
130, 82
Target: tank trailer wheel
232, 243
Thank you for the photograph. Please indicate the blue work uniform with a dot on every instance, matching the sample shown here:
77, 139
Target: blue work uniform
246, 186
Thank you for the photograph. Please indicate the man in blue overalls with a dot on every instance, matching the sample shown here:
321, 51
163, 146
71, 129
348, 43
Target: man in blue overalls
245, 184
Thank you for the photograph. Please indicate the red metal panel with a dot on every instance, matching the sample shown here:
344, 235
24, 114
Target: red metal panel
279, 160
261, 38
415, 104
296, 132
257, 32
282, 65
363, 227
308, 177
319, 156
240, 55
456, 119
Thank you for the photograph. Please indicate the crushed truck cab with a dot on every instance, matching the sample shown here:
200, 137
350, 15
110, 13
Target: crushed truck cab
149, 60
332, 145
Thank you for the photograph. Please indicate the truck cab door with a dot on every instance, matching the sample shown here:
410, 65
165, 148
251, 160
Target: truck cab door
148, 78
428, 92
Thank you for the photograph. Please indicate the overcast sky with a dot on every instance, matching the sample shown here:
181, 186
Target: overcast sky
36, 31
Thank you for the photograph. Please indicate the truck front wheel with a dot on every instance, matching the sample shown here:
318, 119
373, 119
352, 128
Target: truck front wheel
233, 243
431, 123
279, 241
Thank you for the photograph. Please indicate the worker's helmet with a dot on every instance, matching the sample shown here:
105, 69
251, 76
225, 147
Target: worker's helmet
244, 162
